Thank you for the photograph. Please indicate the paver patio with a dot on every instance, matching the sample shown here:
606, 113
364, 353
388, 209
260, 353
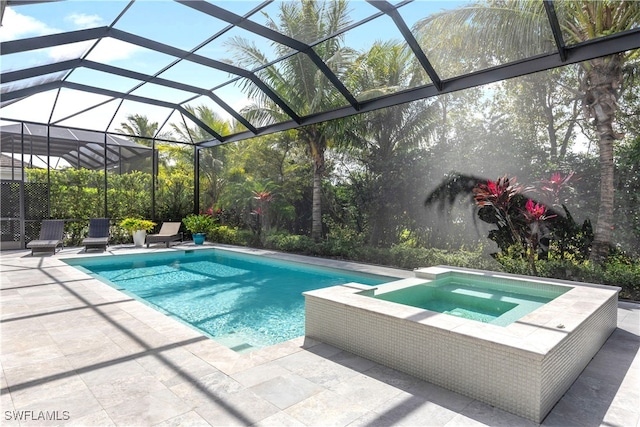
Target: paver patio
76, 350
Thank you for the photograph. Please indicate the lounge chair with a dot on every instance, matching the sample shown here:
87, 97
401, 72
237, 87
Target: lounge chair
51, 235
169, 232
98, 234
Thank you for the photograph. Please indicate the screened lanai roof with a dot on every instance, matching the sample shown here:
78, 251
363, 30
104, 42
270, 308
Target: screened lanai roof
92, 64
78, 148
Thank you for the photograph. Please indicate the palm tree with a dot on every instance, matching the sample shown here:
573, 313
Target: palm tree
211, 159
516, 24
196, 133
298, 81
382, 136
141, 131
601, 82
138, 125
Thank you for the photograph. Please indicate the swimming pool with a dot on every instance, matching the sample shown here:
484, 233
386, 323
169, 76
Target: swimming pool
242, 301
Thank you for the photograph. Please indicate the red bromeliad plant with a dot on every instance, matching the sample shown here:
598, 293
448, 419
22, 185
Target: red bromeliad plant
524, 228
535, 214
499, 193
552, 187
502, 196
263, 196
519, 222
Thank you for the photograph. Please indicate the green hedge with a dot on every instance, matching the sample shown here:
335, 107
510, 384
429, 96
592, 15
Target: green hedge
290, 243
225, 234
622, 272
626, 274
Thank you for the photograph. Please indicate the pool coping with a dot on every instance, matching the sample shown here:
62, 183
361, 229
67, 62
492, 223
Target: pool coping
285, 256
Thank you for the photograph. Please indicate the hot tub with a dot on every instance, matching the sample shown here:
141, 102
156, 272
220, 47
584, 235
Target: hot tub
523, 365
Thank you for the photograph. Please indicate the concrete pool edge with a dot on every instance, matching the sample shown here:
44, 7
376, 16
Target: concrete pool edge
523, 368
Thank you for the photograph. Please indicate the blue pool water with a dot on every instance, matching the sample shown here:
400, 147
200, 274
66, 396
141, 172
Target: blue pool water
475, 299
243, 301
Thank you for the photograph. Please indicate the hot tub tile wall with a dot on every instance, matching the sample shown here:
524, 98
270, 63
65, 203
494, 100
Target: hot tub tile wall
571, 356
508, 370
461, 364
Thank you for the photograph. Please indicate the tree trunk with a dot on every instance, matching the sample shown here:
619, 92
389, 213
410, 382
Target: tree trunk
379, 219
551, 131
317, 148
316, 144
567, 134
602, 79
316, 209
602, 235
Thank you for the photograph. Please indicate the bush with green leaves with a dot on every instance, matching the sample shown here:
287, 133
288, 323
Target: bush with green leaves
199, 223
528, 228
225, 234
134, 224
627, 276
618, 271
341, 241
285, 242
411, 257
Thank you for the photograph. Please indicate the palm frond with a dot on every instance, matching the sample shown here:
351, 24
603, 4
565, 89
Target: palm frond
493, 32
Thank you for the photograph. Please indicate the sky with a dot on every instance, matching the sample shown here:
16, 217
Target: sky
164, 21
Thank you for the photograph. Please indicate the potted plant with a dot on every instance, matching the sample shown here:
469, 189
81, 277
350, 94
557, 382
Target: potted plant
198, 225
138, 229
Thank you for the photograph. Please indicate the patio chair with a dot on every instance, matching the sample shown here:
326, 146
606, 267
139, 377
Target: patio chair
51, 235
169, 232
98, 234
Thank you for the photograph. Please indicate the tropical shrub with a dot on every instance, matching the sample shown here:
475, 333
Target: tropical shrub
198, 223
527, 228
614, 272
225, 234
135, 224
411, 258
627, 276
129, 195
174, 195
283, 241
341, 241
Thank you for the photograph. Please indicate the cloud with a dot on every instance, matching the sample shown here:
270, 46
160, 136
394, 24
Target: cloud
69, 51
82, 20
109, 50
16, 26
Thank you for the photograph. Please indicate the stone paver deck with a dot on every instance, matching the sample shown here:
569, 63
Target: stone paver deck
75, 351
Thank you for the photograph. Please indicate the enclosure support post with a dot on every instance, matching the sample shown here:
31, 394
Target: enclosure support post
48, 171
196, 179
105, 176
23, 227
154, 176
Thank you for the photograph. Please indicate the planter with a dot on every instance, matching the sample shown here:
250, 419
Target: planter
198, 226
139, 237
198, 238
138, 229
